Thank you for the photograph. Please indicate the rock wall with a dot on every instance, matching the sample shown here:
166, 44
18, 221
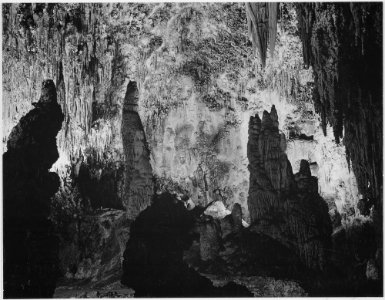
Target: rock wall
30, 245
282, 205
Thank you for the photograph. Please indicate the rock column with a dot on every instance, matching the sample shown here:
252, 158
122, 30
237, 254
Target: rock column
282, 205
138, 177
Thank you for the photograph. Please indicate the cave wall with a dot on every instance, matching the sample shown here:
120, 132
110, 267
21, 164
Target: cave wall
198, 83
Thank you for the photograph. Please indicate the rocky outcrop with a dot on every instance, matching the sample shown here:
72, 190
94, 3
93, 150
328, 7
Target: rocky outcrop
282, 205
30, 246
138, 176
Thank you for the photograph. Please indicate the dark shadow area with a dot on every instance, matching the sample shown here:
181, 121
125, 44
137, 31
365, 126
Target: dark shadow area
153, 261
30, 246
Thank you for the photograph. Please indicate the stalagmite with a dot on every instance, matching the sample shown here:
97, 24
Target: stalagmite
284, 206
139, 183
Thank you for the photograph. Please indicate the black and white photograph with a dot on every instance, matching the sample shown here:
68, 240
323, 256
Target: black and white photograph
192, 149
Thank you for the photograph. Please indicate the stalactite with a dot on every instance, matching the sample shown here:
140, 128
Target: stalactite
262, 26
65, 54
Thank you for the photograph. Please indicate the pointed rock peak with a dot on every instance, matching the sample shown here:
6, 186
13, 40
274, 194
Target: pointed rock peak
270, 120
266, 117
256, 119
255, 122
273, 113
48, 92
304, 168
132, 94
274, 116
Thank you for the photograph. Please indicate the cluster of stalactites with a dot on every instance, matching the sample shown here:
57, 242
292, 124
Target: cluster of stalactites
64, 43
262, 26
343, 44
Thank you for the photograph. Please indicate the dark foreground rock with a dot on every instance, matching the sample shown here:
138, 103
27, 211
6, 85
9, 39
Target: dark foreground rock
153, 261
30, 246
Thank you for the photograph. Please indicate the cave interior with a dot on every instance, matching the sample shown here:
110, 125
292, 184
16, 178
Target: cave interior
192, 149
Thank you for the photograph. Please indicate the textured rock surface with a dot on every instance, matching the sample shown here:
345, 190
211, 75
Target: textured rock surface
343, 44
283, 206
139, 183
96, 247
198, 85
30, 246
262, 25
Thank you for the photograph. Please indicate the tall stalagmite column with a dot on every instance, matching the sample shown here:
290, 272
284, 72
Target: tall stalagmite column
139, 183
282, 205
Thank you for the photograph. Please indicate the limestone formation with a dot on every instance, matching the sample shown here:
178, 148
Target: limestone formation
138, 177
262, 24
199, 83
91, 56
284, 206
30, 246
343, 44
